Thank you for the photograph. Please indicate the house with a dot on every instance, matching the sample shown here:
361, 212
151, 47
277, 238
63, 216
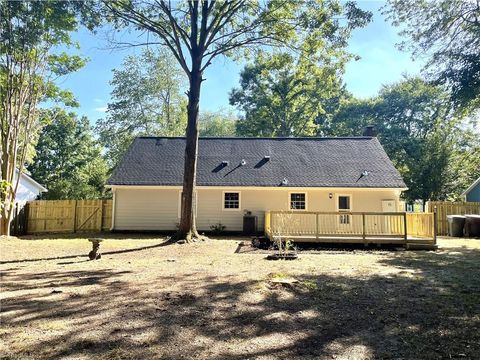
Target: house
473, 191
28, 189
235, 175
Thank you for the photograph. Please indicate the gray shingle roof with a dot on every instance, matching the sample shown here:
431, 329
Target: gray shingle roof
304, 162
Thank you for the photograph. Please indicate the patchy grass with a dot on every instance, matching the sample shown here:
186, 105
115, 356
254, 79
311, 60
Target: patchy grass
146, 299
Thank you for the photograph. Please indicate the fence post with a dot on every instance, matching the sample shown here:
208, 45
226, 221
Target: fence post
316, 225
15, 221
27, 214
75, 217
435, 224
405, 227
101, 215
364, 230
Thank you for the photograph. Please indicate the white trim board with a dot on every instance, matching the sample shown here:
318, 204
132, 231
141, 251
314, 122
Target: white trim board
240, 188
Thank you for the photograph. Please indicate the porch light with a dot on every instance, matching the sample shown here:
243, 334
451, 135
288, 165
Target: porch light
330, 196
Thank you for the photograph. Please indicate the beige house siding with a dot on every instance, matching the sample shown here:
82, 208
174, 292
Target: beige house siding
145, 209
151, 208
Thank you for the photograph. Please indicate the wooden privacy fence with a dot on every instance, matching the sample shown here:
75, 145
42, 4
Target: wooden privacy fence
18, 224
375, 227
445, 208
44, 216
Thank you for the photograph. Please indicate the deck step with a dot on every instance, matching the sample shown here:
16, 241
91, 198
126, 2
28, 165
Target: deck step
421, 246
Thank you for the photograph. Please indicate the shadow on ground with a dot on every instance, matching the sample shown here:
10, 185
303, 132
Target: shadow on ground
429, 309
111, 252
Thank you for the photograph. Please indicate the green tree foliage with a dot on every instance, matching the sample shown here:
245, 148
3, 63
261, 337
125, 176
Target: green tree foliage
4, 186
31, 38
464, 166
419, 129
218, 123
448, 33
68, 161
283, 95
146, 100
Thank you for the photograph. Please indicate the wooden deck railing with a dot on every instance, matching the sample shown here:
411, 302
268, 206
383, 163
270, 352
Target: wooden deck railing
312, 226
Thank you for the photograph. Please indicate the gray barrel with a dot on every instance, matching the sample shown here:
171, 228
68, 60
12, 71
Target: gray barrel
455, 225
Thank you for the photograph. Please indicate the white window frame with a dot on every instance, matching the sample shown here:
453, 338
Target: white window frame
180, 203
290, 200
338, 196
239, 200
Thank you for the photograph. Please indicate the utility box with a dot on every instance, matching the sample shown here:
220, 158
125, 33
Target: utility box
250, 225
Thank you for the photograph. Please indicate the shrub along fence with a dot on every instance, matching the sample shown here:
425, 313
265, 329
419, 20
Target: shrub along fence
18, 224
445, 208
49, 216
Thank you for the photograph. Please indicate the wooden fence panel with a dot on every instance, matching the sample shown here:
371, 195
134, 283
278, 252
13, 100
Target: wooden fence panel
445, 208
50, 216
44, 216
420, 225
107, 215
89, 215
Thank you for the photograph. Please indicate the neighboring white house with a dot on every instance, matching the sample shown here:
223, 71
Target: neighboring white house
235, 175
28, 189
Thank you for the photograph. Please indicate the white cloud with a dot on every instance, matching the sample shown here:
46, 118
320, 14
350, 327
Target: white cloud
97, 100
101, 109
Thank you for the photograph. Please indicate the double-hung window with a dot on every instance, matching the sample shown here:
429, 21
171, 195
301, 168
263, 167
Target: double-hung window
298, 201
231, 200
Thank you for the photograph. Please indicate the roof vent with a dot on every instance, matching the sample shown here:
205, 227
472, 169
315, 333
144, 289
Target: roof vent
225, 163
161, 141
266, 157
285, 181
243, 162
365, 173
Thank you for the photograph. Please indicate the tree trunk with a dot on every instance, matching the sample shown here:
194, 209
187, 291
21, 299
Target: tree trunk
187, 229
5, 224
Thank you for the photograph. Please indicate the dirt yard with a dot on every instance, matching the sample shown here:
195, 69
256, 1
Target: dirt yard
148, 300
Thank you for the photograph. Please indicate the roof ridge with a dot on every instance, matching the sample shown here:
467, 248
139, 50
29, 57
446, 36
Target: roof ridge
265, 138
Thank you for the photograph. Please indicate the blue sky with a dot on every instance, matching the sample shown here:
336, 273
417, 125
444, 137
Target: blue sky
380, 63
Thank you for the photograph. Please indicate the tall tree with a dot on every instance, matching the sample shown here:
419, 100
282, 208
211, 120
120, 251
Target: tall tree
31, 34
283, 95
68, 161
447, 32
196, 32
146, 100
416, 123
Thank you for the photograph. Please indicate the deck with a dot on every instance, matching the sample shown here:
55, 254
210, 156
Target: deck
411, 230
